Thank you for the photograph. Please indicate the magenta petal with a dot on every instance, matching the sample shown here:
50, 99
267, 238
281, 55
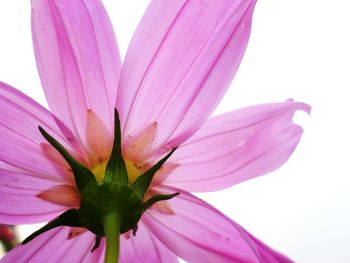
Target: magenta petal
179, 64
19, 202
267, 254
198, 232
54, 247
78, 60
144, 247
20, 139
237, 146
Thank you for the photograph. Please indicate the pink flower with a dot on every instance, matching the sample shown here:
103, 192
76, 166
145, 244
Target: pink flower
179, 64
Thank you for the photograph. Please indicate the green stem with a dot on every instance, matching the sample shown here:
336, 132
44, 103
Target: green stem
111, 224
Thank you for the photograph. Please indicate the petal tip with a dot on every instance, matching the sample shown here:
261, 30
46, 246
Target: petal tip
300, 106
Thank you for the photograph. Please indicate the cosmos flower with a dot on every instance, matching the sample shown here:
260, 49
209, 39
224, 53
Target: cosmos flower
179, 64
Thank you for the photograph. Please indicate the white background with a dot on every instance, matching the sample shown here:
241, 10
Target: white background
298, 49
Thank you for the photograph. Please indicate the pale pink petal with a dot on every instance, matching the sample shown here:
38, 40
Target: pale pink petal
139, 147
237, 146
99, 140
65, 195
144, 247
78, 60
179, 64
54, 247
20, 139
20, 203
58, 161
198, 232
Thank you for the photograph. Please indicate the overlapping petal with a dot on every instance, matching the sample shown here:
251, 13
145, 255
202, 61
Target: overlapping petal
237, 146
21, 144
78, 60
198, 232
20, 203
54, 247
179, 64
144, 247
266, 254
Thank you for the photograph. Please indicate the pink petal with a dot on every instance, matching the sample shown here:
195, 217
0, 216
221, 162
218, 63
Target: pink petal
78, 60
180, 62
20, 203
98, 139
144, 247
54, 247
65, 195
198, 232
20, 139
237, 146
138, 147
266, 254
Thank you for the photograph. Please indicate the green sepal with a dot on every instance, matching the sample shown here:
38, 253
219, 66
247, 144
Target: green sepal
157, 198
97, 243
68, 218
143, 182
134, 230
82, 175
106, 199
116, 170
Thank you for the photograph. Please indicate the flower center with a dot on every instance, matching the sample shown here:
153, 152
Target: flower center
99, 171
134, 172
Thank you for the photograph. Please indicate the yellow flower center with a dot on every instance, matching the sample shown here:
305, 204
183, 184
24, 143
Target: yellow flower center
100, 169
133, 170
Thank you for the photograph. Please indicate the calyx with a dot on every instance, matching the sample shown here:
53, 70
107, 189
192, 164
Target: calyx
114, 196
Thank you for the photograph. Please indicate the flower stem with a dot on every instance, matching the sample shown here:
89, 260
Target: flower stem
111, 224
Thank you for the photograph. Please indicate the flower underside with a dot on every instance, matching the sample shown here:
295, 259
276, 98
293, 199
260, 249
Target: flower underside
111, 193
